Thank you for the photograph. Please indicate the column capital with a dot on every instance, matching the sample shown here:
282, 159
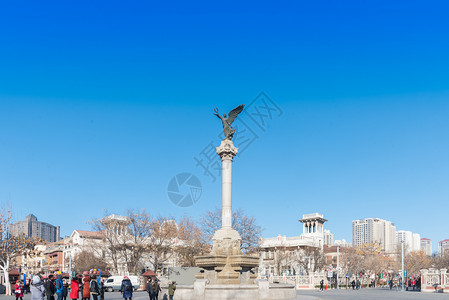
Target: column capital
226, 150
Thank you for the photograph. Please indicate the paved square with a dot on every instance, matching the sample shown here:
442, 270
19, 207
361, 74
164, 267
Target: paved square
367, 294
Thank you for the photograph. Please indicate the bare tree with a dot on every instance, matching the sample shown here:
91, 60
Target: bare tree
440, 261
283, 258
12, 246
86, 260
245, 225
138, 235
190, 242
415, 261
113, 229
162, 240
311, 259
352, 261
135, 238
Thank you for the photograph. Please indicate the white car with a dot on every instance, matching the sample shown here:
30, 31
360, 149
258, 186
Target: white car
113, 283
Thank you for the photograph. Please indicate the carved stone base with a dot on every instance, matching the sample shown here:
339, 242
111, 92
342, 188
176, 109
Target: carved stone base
226, 241
232, 269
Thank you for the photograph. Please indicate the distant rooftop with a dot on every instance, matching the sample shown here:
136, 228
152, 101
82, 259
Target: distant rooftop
86, 233
311, 217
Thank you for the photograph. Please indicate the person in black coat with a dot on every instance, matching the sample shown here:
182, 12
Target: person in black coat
150, 289
66, 290
50, 288
156, 289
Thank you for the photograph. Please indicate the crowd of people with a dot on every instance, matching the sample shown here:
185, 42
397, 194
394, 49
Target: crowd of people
83, 288
57, 288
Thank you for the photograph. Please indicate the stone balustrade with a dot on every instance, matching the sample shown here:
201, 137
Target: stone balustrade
434, 280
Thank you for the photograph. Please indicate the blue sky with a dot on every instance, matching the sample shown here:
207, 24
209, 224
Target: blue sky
102, 103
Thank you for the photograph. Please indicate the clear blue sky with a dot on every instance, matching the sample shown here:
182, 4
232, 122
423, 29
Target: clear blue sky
103, 102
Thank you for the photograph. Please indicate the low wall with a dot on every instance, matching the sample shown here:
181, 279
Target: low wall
299, 281
433, 280
201, 290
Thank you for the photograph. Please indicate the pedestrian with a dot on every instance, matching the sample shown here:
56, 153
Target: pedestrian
59, 287
26, 287
126, 288
150, 289
50, 288
18, 290
37, 288
358, 284
102, 288
156, 289
171, 289
321, 285
80, 285
94, 288
391, 283
86, 288
74, 289
353, 284
66, 290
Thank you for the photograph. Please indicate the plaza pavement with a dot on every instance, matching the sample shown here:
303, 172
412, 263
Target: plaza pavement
363, 294
367, 294
138, 295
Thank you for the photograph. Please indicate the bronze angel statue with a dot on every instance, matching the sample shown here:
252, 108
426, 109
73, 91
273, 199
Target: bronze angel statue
227, 121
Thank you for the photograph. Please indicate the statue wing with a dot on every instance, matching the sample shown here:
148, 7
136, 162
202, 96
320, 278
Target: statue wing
234, 113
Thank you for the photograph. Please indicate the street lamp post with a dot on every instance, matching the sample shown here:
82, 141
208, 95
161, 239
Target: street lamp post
402, 263
338, 263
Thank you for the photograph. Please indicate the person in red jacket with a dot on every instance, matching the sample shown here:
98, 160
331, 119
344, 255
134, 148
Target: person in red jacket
18, 290
74, 289
86, 288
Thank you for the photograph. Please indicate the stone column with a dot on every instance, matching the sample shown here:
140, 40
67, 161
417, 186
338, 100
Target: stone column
227, 151
226, 240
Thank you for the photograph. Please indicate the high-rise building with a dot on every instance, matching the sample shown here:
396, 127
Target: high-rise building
31, 227
328, 237
416, 242
412, 241
374, 230
443, 247
426, 246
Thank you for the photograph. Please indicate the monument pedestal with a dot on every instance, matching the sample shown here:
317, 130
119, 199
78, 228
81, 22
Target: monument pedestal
226, 264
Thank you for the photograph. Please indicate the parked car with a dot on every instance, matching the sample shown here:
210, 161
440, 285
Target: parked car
113, 283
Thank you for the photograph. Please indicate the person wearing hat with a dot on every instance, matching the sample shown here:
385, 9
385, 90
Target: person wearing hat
86, 287
59, 284
18, 290
94, 288
37, 288
126, 288
156, 289
171, 289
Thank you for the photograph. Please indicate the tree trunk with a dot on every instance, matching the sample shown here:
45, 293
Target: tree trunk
7, 283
